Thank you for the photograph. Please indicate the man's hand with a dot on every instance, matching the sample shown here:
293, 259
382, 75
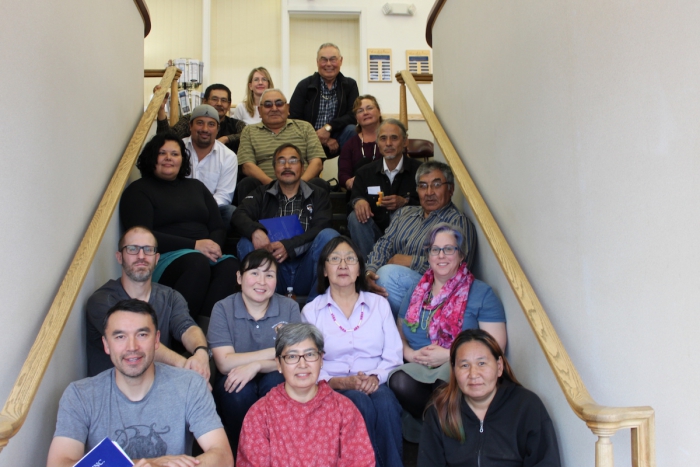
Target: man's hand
168, 461
161, 112
199, 362
349, 182
431, 356
362, 210
372, 284
279, 251
323, 136
401, 260
260, 240
240, 376
208, 248
393, 202
332, 144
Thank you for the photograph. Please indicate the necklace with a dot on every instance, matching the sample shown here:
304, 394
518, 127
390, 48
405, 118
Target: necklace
359, 323
362, 147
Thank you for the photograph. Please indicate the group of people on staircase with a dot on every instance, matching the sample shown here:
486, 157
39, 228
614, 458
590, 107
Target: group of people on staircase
198, 340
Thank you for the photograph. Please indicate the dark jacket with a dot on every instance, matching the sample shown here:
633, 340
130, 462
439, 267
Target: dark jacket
373, 174
305, 102
262, 203
516, 431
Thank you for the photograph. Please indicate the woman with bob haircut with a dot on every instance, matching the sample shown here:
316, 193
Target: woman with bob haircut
484, 417
446, 300
303, 422
259, 80
361, 148
362, 344
242, 335
185, 219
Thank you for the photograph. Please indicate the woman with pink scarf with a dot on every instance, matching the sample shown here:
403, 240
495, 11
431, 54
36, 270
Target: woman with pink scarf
446, 301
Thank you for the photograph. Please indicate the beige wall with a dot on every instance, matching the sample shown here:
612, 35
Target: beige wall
62, 132
578, 121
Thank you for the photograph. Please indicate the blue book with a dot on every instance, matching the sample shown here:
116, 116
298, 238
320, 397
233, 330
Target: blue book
106, 454
282, 228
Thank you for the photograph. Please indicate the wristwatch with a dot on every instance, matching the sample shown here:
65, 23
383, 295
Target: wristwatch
327, 127
207, 349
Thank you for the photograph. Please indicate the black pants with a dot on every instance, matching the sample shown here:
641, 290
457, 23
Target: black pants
412, 395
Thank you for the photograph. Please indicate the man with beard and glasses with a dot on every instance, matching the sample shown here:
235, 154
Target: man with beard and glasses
138, 255
289, 195
382, 187
212, 163
153, 411
219, 97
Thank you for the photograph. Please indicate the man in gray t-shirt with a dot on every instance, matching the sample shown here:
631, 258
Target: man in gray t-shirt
138, 255
152, 410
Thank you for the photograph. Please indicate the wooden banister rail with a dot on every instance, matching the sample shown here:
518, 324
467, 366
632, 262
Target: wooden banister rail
15, 410
603, 421
174, 100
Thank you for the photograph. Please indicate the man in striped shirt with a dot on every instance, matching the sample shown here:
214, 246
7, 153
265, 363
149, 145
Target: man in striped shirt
397, 261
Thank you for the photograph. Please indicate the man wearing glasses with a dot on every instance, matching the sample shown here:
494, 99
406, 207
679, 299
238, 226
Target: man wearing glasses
138, 255
259, 141
219, 97
288, 195
325, 100
398, 261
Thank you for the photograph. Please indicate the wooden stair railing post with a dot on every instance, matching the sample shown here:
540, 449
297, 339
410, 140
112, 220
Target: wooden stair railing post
174, 102
18, 403
403, 109
603, 421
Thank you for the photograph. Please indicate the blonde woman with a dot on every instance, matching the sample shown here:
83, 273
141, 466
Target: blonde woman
258, 81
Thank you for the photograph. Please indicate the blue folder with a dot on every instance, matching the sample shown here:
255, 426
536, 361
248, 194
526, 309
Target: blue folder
105, 454
282, 228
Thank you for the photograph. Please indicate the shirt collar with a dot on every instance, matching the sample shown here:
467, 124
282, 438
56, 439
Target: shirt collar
398, 168
240, 311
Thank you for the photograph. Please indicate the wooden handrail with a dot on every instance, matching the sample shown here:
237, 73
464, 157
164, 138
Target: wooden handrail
145, 16
603, 421
174, 101
432, 17
15, 410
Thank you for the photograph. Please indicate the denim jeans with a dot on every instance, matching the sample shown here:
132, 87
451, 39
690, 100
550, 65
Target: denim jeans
399, 282
347, 133
226, 211
232, 406
299, 273
364, 235
382, 414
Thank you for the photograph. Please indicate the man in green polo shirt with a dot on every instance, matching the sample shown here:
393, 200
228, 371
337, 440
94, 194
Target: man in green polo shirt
259, 141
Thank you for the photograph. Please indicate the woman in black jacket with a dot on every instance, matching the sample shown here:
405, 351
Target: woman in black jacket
484, 417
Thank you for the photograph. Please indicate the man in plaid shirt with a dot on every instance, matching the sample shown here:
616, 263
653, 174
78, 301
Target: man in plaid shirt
287, 196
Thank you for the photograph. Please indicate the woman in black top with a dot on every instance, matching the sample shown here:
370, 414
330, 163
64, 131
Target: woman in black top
185, 219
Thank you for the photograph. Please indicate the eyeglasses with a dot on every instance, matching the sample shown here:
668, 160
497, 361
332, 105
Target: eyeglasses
435, 184
216, 100
324, 60
279, 103
449, 250
349, 260
134, 249
291, 161
369, 108
294, 358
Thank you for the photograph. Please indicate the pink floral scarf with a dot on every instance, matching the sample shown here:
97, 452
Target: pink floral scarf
448, 307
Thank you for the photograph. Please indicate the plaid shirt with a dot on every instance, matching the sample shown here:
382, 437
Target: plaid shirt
293, 207
328, 105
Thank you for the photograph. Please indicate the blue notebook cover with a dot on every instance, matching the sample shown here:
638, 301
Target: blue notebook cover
106, 454
282, 228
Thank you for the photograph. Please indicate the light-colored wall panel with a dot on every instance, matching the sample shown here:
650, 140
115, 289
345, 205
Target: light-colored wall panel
306, 34
244, 35
176, 32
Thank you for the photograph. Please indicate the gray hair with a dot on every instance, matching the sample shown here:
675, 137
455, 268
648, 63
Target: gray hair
460, 238
292, 334
393, 121
262, 96
427, 167
329, 44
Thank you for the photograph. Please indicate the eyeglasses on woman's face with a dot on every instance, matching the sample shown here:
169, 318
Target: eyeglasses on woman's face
336, 259
449, 250
294, 358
